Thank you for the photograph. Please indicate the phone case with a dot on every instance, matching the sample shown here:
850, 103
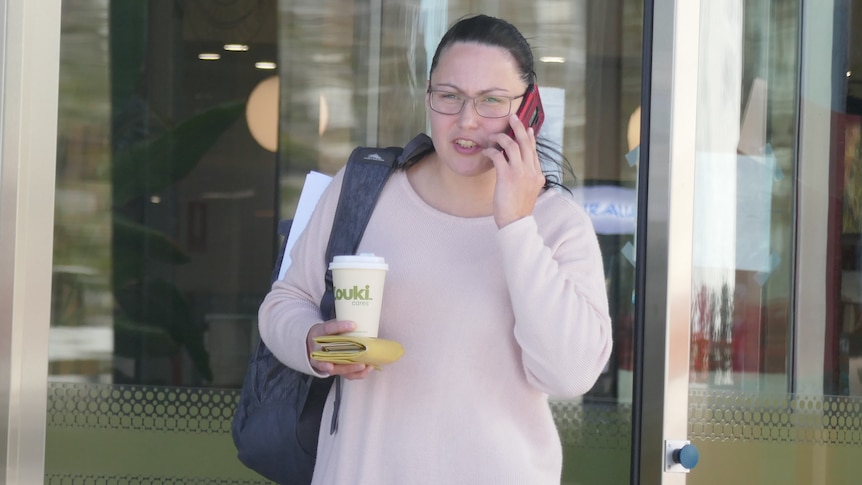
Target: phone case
531, 112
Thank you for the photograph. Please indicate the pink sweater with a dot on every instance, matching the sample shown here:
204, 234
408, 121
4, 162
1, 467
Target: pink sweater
492, 322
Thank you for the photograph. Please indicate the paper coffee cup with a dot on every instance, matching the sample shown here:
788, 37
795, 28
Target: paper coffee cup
358, 290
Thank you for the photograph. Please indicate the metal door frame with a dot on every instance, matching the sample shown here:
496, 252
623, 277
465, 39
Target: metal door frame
29, 80
664, 232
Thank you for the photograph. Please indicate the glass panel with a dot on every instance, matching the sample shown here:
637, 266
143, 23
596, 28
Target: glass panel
355, 74
774, 389
165, 200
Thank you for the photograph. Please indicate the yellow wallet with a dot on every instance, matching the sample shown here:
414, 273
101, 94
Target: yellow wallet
344, 349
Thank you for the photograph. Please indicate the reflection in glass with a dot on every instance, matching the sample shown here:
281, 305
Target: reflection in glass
164, 232
164, 200
773, 388
743, 250
81, 339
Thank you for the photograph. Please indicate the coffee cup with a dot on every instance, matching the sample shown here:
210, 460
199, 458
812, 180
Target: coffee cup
357, 282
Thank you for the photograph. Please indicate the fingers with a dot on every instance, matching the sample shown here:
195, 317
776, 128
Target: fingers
333, 327
523, 134
330, 327
348, 371
520, 178
521, 148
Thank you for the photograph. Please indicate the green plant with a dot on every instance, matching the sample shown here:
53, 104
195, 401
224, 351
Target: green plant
153, 314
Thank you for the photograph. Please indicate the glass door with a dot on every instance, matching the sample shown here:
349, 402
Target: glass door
774, 385
163, 236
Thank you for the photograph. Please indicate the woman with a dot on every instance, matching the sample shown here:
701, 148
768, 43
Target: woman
495, 290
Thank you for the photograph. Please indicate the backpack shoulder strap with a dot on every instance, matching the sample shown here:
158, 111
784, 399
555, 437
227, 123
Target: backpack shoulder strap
366, 173
420, 145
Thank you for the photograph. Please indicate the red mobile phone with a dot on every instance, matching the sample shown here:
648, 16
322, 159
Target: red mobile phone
531, 112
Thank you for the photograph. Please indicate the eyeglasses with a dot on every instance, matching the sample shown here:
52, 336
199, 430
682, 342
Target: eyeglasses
487, 106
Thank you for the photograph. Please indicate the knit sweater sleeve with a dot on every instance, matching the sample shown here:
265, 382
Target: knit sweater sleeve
555, 275
291, 307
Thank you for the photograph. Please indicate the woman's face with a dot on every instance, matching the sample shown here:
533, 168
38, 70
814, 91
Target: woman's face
471, 70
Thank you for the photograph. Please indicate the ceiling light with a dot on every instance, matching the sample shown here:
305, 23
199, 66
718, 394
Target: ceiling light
209, 56
236, 47
553, 59
265, 65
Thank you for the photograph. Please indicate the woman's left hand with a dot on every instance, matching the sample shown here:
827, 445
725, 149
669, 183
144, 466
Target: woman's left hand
520, 178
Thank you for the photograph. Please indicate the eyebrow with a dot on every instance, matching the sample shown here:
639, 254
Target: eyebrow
459, 90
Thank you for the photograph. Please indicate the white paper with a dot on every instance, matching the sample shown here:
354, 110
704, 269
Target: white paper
732, 211
312, 189
554, 103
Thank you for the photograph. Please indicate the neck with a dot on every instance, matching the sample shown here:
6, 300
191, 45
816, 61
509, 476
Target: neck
446, 191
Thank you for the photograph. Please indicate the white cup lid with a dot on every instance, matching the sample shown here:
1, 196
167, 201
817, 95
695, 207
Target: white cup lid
362, 261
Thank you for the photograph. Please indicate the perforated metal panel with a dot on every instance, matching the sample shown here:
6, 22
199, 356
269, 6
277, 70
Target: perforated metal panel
180, 420
603, 426
733, 416
141, 480
119, 434
173, 409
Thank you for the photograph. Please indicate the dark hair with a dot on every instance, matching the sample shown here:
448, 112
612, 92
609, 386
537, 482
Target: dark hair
490, 31
495, 32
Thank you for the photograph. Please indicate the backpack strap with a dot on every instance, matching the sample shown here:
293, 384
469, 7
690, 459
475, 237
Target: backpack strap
366, 173
418, 147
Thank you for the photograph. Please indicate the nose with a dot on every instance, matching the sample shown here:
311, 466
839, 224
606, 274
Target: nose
468, 117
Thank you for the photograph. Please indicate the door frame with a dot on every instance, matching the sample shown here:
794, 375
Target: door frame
664, 233
29, 80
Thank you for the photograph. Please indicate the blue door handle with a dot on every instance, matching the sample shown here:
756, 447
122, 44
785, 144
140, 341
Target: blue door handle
687, 456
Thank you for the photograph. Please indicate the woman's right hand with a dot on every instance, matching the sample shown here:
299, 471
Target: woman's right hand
334, 327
